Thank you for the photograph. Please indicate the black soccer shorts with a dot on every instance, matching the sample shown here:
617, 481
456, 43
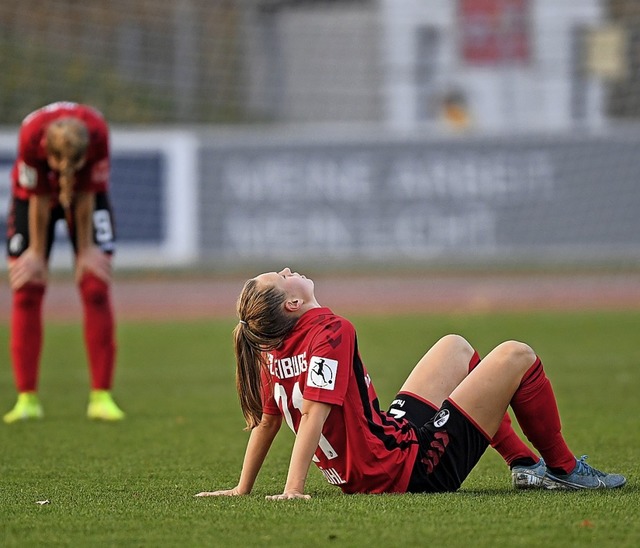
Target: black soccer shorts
450, 444
18, 226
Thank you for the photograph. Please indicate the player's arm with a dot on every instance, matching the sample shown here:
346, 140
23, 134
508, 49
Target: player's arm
31, 266
90, 258
258, 446
314, 415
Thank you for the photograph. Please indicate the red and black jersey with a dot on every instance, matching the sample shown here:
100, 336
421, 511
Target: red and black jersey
362, 449
31, 173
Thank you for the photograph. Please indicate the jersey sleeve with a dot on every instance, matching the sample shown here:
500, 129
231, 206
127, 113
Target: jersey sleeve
330, 365
29, 172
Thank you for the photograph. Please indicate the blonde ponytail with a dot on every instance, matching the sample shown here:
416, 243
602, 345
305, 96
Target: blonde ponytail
68, 138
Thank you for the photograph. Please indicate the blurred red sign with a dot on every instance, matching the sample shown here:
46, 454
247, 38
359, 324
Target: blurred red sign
494, 31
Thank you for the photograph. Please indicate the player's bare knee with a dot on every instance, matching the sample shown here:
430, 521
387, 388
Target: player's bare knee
457, 345
517, 354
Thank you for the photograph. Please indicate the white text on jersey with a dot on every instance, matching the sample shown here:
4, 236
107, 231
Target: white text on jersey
332, 476
285, 368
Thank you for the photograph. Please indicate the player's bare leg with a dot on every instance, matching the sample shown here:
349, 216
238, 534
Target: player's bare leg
513, 374
440, 371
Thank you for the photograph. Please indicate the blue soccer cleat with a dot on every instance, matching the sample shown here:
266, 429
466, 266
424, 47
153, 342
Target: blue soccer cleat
529, 477
584, 476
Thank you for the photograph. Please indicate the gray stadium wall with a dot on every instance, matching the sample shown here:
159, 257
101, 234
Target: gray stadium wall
193, 197
356, 198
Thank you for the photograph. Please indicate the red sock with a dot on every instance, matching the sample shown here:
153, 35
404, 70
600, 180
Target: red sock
26, 335
535, 407
506, 441
99, 330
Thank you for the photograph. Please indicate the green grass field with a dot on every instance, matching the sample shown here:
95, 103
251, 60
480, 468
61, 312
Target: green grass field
132, 484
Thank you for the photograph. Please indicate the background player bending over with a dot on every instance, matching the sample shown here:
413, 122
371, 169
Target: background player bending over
61, 172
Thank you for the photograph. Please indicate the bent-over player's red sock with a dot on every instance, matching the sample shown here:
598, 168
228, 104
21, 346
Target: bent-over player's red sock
26, 335
99, 330
535, 407
505, 441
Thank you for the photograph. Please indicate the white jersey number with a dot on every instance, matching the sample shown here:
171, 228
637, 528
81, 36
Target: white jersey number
282, 400
102, 226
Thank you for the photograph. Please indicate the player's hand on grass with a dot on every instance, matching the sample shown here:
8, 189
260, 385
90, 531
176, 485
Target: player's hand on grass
223, 493
288, 495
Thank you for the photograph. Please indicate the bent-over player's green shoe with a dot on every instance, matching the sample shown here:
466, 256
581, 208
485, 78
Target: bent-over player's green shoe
26, 408
102, 407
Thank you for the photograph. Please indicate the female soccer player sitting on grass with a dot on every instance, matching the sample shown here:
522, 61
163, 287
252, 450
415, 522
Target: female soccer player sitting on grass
298, 360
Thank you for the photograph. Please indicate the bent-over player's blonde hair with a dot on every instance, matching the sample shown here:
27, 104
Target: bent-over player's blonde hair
68, 138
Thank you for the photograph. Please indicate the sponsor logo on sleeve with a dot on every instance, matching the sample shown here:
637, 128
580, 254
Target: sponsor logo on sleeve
27, 176
322, 373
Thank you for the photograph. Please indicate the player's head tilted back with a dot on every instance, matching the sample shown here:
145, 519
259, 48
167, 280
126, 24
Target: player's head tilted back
263, 324
67, 141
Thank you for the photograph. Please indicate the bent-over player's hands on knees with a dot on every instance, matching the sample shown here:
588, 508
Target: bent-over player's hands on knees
95, 261
28, 268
